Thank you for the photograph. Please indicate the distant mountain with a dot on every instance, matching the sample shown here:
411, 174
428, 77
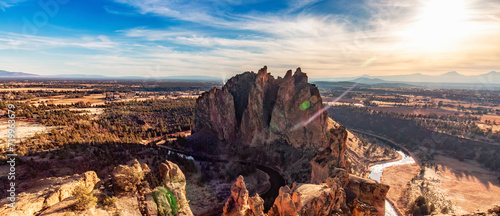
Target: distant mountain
7, 74
453, 77
79, 76
187, 78
492, 77
369, 81
21, 75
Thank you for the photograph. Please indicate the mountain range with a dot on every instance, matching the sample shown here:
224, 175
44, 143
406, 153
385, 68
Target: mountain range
21, 75
492, 77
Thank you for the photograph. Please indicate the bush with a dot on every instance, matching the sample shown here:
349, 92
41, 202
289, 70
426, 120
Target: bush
108, 201
445, 210
166, 202
84, 198
421, 206
128, 179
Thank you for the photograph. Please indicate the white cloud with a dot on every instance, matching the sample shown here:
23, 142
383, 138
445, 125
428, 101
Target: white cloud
15, 41
323, 45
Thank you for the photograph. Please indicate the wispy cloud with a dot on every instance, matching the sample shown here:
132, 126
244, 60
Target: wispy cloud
30, 42
9, 3
217, 40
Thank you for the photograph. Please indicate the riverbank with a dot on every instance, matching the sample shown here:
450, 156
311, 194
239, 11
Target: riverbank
376, 173
397, 177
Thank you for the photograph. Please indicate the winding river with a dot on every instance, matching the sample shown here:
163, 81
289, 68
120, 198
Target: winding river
376, 173
277, 180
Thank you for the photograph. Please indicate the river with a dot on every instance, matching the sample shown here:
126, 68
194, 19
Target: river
376, 173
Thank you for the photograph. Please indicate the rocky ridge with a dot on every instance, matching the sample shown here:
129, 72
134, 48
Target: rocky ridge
279, 122
342, 194
282, 123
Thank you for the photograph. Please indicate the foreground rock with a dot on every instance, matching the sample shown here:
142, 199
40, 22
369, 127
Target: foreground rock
341, 194
240, 204
49, 192
135, 191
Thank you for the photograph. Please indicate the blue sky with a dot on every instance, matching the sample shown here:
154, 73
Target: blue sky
222, 38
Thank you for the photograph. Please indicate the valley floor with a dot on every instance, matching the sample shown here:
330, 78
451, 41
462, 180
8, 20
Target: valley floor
468, 186
398, 177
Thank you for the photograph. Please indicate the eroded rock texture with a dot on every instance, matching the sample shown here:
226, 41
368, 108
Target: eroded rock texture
240, 204
282, 123
340, 194
275, 121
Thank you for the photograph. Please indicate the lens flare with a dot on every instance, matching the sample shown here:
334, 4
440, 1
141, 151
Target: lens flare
305, 105
306, 122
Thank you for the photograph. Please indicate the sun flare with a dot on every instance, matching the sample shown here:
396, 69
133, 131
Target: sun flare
440, 23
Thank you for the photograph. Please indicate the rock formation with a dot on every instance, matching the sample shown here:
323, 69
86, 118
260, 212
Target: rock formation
240, 204
341, 194
172, 178
53, 191
280, 121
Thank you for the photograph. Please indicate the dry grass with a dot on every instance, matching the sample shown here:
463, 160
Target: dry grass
468, 186
397, 177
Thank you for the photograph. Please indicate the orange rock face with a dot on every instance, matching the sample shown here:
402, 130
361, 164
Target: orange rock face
279, 122
239, 204
282, 123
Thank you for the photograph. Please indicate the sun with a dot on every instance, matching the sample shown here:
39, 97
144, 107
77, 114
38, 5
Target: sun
440, 23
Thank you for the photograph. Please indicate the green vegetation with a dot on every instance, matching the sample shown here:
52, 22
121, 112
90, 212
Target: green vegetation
108, 201
84, 198
166, 202
122, 122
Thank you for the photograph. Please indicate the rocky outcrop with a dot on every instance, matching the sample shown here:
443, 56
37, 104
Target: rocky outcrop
280, 122
495, 211
239, 204
340, 194
173, 180
52, 191
366, 195
256, 109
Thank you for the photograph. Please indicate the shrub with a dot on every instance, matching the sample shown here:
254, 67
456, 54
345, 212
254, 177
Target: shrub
84, 198
166, 202
108, 201
445, 210
128, 179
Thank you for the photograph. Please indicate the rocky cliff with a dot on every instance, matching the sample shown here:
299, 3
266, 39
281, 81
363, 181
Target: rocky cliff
340, 194
280, 122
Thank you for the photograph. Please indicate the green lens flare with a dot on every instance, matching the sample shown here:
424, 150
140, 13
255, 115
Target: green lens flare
305, 105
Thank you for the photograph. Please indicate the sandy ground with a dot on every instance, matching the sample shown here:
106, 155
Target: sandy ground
24, 129
96, 111
468, 186
397, 177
